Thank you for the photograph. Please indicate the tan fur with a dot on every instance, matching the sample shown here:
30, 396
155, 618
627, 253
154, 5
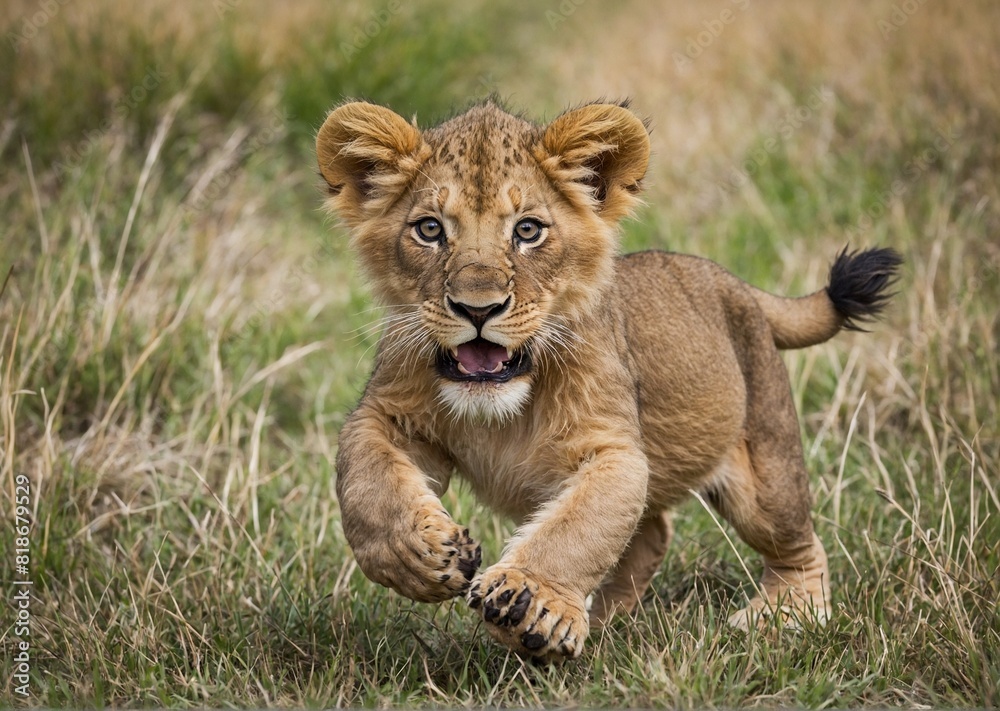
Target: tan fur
653, 375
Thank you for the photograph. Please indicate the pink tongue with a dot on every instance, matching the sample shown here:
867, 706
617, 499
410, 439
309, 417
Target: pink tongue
481, 356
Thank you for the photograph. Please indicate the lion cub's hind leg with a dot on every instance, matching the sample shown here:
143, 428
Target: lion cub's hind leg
762, 486
776, 524
625, 585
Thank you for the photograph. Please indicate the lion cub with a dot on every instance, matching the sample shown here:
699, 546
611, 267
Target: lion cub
579, 392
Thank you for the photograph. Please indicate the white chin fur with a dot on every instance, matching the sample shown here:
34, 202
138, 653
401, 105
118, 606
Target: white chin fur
485, 402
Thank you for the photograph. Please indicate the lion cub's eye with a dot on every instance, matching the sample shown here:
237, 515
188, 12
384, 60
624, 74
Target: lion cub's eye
429, 230
528, 231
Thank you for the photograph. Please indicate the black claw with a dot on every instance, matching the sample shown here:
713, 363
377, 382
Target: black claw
491, 613
475, 600
563, 649
543, 613
532, 640
505, 597
445, 577
467, 567
517, 612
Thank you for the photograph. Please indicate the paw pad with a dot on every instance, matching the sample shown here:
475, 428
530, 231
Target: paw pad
540, 620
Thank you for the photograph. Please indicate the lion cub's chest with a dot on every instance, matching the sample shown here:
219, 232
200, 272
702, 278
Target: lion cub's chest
507, 469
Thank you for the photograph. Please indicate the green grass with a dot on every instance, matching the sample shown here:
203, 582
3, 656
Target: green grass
184, 332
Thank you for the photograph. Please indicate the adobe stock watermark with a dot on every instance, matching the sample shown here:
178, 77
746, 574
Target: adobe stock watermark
933, 323
125, 105
224, 7
371, 28
899, 16
565, 9
696, 45
34, 23
263, 308
791, 122
914, 168
488, 85
23, 527
202, 196
54, 351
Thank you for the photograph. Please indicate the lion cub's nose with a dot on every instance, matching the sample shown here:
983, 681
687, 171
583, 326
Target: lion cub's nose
477, 315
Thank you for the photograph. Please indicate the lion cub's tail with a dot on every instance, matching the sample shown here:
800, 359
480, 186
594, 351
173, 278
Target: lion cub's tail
856, 294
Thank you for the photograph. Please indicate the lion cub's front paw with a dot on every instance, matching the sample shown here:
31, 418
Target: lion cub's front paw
431, 560
535, 618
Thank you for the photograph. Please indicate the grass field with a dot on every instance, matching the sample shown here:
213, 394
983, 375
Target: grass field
182, 333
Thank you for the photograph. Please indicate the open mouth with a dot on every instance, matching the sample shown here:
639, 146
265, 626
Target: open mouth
482, 361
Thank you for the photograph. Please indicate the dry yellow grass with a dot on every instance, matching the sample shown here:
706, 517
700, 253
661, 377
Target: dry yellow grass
183, 332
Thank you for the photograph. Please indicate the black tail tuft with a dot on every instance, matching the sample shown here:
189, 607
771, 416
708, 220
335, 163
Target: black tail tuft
858, 283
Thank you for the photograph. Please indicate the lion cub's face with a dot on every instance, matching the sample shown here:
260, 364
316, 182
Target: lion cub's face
487, 236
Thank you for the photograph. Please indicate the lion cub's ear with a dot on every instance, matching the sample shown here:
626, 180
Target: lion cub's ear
598, 154
367, 155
